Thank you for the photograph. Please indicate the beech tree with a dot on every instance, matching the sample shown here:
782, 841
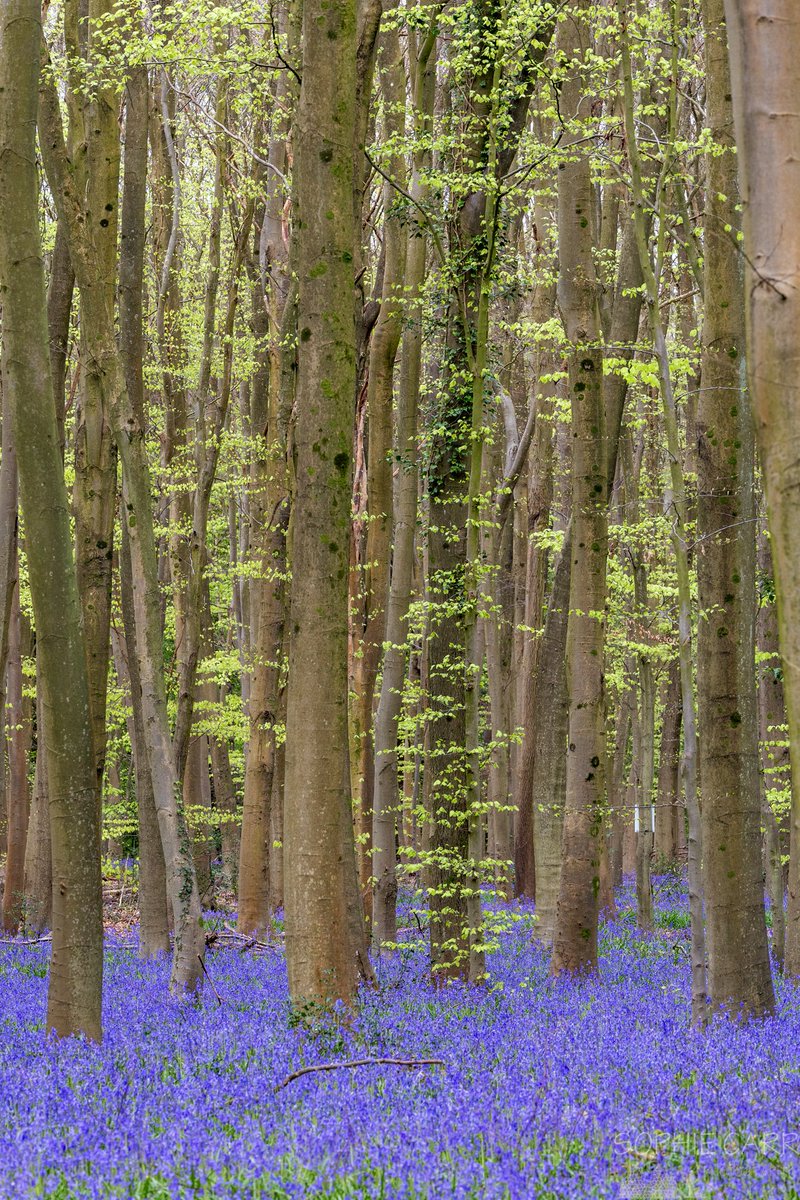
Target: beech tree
325, 942
575, 939
738, 958
763, 54
76, 970
86, 239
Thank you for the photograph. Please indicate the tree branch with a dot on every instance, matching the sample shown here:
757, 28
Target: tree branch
362, 1062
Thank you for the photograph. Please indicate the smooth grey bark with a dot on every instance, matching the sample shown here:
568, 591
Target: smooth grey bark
549, 779
38, 853
669, 811
575, 937
764, 43
153, 905
739, 975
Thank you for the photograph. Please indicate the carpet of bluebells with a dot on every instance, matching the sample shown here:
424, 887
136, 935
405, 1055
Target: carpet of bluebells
549, 1089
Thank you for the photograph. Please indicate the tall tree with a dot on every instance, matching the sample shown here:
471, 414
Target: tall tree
93, 149
129, 434
575, 942
76, 971
384, 344
738, 958
651, 263
422, 58
153, 907
764, 50
325, 943
267, 593
16, 818
491, 93
19, 725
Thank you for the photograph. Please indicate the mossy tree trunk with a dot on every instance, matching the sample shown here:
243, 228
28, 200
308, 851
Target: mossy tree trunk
325, 944
129, 436
76, 970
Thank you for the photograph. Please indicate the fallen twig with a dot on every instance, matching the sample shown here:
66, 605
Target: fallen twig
46, 937
210, 980
362, 1062
250, 942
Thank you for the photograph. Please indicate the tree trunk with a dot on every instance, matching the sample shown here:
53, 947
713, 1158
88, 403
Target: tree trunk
386, 798
549, 749
267, 596
668, 809
19, 744
276, 857
764, 52
94, 133
632, 789
380, 378
644, 797
775, 767
676, 501
632, 463
325, 950
575, 939
76, 971
9, 571
738, 959
59, 310
227, 809
38, 851
154, 916
189, 944
616, 787
153, 902
539, 501
264, 706
197, 802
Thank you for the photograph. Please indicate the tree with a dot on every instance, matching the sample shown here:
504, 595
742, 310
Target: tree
76, 971
153, 900
325, 943
189, 943
14, 803
764, 50
270, 400
575, 941
738, 957
651, 265
404, 505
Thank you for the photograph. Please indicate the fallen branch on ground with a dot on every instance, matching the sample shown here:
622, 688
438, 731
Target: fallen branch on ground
362, 1062
46, 937
245, 940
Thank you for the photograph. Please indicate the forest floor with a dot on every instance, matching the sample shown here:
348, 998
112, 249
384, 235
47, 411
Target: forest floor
545, 1088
